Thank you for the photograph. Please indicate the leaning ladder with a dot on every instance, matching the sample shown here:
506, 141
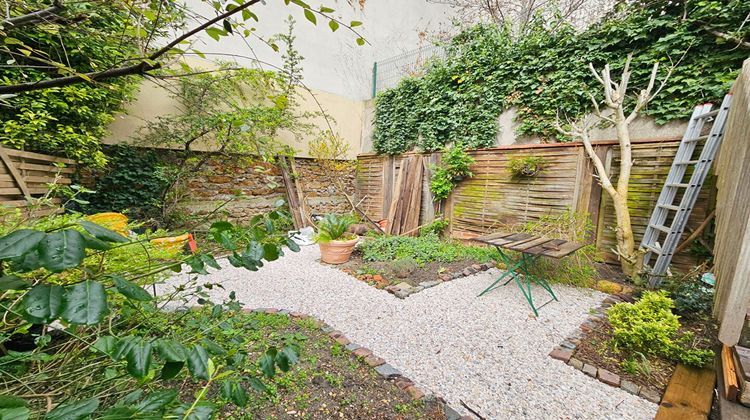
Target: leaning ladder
667, 205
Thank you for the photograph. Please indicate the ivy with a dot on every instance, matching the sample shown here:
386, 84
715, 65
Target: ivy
454, 167
487, 71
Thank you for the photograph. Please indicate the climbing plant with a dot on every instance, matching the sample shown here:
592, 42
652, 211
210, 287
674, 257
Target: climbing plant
487, 71
454, 166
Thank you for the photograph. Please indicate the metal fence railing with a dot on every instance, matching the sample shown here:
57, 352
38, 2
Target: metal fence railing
387, 73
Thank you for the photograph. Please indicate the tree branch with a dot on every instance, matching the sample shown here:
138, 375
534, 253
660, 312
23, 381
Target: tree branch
42, 15
139, 68
723, 35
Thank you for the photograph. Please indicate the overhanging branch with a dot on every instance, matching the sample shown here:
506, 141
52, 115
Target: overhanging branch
43, 15
134, 69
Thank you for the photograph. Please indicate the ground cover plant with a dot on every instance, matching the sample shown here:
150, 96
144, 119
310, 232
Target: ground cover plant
386, 260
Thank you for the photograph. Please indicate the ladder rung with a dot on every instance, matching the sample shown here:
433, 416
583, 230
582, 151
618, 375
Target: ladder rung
708, 114
661, 228
653, 249
687, 162
668, 207
677, 184
699, 138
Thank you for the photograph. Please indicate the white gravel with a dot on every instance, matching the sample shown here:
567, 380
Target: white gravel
489, 351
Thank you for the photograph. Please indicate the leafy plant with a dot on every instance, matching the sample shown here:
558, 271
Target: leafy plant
526, 166
334, 228
649, 326
488, 70
64, 268
454, 166
403, 267
422, 249
436, 227
692, 298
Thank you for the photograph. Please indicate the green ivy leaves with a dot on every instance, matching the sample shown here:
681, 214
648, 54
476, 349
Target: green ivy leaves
488, 71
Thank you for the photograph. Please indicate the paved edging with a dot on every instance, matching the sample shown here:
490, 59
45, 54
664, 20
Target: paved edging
378, 364
404, 290
565, 352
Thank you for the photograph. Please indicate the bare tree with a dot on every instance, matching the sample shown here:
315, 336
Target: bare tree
613, 112
517, 14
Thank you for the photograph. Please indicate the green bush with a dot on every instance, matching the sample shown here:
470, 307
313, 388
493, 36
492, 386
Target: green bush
526, 166
454, 167
436, 227
422, 249
649, 326
692, 298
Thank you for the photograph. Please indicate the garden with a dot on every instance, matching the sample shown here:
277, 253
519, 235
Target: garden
205, 268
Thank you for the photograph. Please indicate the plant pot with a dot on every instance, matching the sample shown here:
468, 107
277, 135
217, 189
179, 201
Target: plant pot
337, 252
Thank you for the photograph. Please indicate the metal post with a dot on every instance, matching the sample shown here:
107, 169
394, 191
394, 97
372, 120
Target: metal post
374, 78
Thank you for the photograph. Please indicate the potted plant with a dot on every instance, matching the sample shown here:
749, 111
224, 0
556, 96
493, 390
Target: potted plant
336, 243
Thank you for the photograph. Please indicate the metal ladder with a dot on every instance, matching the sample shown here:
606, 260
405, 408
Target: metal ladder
664, 248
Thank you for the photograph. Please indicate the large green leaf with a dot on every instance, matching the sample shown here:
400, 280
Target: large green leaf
106, 344
201, 411
43, 303
102, 233
15, 413
61, 250
198, 362
95, 243
18, 243
267, 363
13, 283
271, 252
139, 359
74, 410
131, 290
85, 303
171, 351
124, 346
157, 401
171, 369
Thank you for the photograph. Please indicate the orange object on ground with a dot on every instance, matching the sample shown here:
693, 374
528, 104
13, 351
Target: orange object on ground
173, 243
117, 222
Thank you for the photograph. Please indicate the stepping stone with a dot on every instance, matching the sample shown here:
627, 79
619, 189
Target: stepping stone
387, 371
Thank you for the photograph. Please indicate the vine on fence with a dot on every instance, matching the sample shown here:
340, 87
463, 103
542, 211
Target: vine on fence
487, 71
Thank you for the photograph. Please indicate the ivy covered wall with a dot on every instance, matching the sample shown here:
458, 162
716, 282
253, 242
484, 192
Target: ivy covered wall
487, 71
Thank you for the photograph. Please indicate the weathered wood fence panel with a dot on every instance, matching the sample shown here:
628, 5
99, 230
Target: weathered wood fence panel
25, 175
493, 198
369, 185
652, 164
732, 247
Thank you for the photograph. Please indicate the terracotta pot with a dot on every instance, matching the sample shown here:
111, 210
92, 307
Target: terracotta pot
337, 252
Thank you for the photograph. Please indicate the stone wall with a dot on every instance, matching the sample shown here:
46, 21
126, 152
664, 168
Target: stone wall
255, 187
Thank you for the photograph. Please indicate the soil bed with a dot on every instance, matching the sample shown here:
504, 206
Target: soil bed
382, 274
327, 382
596, 349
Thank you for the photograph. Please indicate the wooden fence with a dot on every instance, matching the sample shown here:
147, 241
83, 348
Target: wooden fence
492, 198
732, 301
27, 175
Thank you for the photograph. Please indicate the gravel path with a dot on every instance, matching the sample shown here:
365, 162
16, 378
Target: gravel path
489, 351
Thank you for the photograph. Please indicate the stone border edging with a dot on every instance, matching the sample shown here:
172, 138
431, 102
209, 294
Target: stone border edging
565, 352
378, 364
404, 290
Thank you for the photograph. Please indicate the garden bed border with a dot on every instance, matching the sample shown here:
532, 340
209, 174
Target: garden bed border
378, 364
403, 290
565, 352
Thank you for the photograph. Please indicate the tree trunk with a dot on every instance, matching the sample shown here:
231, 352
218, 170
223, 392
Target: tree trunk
631, 260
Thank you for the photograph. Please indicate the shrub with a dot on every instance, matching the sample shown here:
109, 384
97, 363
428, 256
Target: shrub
436, 227
403, 267
692, 298
649, 326
454, 166
526, 166
422, 249
333, 228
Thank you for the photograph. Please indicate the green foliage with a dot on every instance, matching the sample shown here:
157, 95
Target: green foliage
526, 166
132, 182
577, 269
90, 278
70, 120
487, 71
422, 249
403, 267
454, 166
649, 326
692, 298
436, 227
334, 228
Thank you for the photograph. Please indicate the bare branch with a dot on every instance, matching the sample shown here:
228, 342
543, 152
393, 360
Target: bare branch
43, 15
